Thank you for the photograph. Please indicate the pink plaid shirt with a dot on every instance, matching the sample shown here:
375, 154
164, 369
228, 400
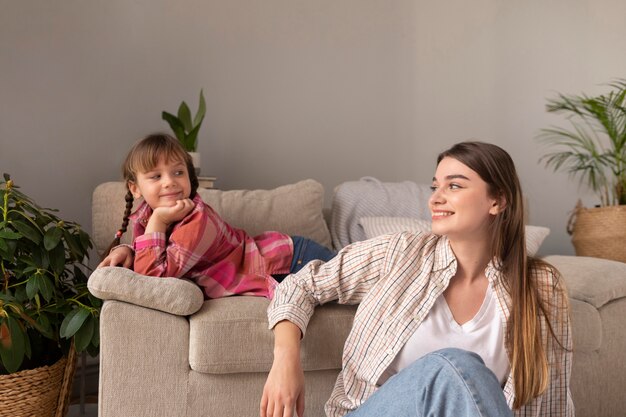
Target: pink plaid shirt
221, 259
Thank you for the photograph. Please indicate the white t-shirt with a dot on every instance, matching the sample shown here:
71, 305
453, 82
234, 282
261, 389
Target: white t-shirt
483, 334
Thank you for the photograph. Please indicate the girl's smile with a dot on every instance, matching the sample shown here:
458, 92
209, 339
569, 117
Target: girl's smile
163, 185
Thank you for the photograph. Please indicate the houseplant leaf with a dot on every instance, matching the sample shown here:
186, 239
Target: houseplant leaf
175, 124
12, 343
73, 321
28, 231
83, 336
52, 237
184, 115
197, 120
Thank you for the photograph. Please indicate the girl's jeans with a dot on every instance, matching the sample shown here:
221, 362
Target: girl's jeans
304, 251
446, 383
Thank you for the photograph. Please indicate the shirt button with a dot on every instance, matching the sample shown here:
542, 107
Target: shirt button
389, 352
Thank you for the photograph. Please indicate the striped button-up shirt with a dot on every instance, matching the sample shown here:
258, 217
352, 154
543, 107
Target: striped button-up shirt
396, 280
221, 259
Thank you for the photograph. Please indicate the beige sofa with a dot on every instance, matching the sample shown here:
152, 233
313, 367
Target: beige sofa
167, 352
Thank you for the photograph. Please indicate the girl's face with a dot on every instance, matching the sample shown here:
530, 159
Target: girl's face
163, 185
460, 204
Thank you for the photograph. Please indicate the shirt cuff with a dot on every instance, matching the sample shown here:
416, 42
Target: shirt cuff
149, 240
290, 312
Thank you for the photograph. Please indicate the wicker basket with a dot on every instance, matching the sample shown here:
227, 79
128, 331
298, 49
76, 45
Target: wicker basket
40, 392
599, 232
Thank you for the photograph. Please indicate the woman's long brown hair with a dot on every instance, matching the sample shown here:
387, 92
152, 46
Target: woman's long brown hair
143, 157
527, 354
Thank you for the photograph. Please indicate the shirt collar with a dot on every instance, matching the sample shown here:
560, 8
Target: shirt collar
444, 257
142, 212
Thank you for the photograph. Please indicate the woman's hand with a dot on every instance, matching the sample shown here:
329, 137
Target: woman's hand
120, 256
284, 389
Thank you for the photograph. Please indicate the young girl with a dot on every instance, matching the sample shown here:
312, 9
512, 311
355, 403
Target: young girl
176, 234
460, 322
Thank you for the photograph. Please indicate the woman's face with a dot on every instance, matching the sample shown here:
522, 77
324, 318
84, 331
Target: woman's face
460, 205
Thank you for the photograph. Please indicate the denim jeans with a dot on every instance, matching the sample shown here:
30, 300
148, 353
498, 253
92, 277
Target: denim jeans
446, 383
306, 250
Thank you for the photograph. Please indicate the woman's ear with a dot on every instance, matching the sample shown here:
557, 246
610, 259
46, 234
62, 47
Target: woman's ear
498, 205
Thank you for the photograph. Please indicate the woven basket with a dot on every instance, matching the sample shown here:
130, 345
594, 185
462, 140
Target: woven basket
40, 392
599, 232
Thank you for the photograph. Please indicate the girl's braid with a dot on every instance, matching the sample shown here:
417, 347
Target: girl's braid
118, 235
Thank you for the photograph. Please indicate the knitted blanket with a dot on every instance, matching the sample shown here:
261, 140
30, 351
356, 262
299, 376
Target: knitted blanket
370, 197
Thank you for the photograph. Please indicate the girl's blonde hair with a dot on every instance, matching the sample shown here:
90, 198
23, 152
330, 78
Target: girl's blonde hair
143, 157
528, 356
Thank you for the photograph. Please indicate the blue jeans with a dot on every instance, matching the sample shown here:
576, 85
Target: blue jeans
304, 251
446, 383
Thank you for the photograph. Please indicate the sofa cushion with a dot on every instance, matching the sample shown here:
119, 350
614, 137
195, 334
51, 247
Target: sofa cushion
230, 335
294, 209
592, 280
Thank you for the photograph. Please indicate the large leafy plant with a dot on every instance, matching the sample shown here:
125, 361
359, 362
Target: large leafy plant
594, 148
186, 129
44, 301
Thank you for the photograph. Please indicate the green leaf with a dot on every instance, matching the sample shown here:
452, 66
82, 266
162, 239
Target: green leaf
57, 259
32, 286
191, 140
12, 345
28, 231
184, 115
175, 124
46, 287
44, 326
52, 237
83, 336
73, 321
74, 245
9, 234
197, 120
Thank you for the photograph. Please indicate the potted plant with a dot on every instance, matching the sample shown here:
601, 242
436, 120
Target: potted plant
46, 312
594, 149
186, 130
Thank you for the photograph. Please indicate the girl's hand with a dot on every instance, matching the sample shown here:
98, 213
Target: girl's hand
120, 256
162, 217
284, 389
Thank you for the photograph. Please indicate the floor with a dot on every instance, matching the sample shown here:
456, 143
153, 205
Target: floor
91, 410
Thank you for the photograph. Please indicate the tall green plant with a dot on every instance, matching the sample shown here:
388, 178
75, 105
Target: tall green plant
186, 129
594, 148
44, 301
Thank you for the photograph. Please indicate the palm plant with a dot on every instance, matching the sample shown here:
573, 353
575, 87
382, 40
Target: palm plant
594, 149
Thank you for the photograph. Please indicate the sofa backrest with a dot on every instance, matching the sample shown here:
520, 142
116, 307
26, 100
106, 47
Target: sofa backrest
294, 209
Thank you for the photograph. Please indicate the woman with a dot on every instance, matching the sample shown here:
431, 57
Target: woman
460, 322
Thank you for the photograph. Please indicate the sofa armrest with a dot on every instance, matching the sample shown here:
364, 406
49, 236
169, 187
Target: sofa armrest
592, 280
171, 295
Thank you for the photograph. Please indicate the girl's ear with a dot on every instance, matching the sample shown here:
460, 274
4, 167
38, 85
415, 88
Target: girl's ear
134, 189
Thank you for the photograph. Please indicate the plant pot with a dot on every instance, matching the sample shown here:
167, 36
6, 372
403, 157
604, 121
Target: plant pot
41, 392
195, 159
599, 232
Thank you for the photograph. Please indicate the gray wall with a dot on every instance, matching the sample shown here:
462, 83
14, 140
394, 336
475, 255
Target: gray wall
326, 89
